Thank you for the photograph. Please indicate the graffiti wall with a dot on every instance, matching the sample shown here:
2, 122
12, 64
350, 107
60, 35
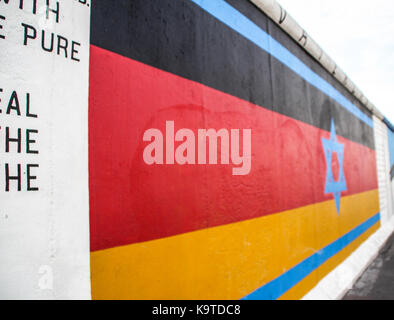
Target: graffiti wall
191, 149
224, 161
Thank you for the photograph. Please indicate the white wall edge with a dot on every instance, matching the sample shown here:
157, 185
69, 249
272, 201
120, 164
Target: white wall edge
339, 281
44, 214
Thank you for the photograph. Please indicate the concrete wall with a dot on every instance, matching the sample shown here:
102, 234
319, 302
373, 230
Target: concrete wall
168, 223
197, 146
44, 220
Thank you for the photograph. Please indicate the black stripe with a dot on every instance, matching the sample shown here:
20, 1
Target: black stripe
260, 19
179, 37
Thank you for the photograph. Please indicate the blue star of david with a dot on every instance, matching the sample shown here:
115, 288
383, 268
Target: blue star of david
335, 187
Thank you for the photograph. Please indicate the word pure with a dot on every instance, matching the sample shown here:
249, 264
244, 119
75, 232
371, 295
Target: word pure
194, 146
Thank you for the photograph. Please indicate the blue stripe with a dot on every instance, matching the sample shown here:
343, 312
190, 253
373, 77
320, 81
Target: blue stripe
241, 24
277, 287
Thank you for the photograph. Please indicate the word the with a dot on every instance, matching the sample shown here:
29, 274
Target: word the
185, 153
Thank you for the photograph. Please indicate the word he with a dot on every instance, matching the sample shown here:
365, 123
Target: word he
19, 141
18, 177
186, 151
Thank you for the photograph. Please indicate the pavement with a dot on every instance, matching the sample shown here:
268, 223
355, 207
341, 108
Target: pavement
377, 281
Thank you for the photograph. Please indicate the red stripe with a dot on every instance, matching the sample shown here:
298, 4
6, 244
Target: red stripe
133, 202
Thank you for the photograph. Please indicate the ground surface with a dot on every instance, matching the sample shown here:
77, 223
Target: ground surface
377, 282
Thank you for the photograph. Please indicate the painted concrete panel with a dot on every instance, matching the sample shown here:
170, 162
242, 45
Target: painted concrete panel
44, 222
169, 217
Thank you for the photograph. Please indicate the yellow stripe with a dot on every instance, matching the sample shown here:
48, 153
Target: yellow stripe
302, 288
230, 261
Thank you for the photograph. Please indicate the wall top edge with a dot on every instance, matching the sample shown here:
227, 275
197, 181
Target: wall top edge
279, 15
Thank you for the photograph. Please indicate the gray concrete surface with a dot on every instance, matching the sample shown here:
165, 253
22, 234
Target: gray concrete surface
377, 281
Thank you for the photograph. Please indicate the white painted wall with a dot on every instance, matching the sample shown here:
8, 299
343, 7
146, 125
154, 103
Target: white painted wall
392, 197
44, 234
383, 169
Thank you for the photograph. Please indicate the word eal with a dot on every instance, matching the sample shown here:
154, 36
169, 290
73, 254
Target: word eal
185, 153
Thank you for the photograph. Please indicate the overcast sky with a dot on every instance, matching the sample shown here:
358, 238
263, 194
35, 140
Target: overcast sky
359, 37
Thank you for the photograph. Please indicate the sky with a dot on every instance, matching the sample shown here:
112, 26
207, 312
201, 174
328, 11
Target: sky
359, 36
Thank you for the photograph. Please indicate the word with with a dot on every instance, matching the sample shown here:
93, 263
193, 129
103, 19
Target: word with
186, 151
49, 8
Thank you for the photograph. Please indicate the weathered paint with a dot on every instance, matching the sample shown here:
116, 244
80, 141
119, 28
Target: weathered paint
226, 262
196, 231
194, 204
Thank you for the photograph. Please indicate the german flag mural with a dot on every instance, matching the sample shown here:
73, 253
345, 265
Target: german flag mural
224, 161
